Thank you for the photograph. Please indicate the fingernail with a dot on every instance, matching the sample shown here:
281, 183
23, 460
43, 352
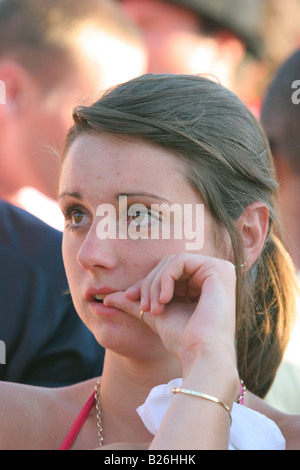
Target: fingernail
107, 302
145, 305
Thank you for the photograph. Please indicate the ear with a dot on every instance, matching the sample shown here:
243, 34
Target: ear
16, 83
231, 48
253, 226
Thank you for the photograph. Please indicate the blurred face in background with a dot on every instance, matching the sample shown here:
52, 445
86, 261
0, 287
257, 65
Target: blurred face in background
176, 42
170, 31
38, 109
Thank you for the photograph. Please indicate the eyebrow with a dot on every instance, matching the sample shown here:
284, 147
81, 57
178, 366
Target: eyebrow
75, 194
144, 194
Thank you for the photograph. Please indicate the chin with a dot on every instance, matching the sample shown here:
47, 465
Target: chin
135, 340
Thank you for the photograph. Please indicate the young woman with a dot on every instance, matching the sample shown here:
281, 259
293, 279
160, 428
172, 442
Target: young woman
183, 317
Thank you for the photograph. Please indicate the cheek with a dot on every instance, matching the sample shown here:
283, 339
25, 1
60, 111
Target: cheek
69, 251
216, 242
73, 273
143, 255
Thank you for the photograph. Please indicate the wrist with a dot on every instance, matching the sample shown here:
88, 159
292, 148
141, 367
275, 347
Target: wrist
209, 358
214, 374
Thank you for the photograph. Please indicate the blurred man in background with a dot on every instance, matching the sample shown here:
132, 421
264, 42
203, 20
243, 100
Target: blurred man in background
200, 36
280, 118
54, 54
238, 41
45, 342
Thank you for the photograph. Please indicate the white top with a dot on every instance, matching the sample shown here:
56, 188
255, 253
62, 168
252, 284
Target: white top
250, 430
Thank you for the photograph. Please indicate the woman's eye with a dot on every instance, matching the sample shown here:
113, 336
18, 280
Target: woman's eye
140, 216
75, 218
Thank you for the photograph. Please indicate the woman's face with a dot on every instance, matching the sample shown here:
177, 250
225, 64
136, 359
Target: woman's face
108, 187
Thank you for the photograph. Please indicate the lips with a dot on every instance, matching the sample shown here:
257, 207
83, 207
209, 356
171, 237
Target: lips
97, 295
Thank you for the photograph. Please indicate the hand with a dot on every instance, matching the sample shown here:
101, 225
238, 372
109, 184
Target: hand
189, 301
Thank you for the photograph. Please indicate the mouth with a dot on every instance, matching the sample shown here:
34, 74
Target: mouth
97, 295
95, 298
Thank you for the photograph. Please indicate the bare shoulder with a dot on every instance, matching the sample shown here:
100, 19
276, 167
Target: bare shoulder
288, 424
36, 417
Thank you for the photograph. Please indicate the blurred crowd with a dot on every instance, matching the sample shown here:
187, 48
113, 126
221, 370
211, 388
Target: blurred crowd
57, 54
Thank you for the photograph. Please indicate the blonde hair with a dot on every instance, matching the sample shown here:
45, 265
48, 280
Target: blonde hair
228, 161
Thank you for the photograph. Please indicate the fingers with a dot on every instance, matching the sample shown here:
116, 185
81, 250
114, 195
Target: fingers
187, 299
180, 275
120, 301
172, 276
149, 289
134, 292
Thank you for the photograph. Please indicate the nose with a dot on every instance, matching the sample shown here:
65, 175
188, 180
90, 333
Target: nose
97, 253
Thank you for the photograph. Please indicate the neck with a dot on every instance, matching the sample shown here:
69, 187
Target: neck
137, 375
8, 194
125, 385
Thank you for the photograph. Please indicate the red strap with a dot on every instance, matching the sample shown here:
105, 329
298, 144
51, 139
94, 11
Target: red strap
78, 423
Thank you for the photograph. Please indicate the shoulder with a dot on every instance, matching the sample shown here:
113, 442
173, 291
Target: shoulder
34, 418
30, 240
29, 417
17, 222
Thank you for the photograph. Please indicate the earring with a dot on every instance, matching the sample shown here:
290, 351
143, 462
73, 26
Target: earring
243, 265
